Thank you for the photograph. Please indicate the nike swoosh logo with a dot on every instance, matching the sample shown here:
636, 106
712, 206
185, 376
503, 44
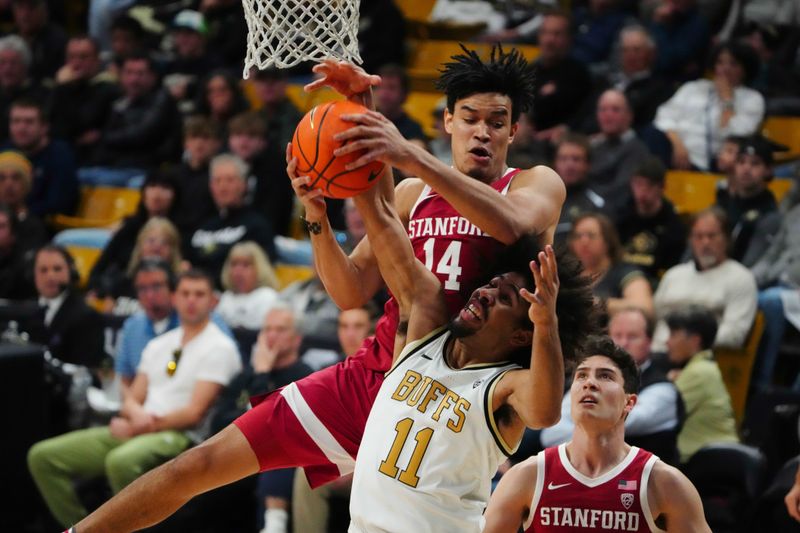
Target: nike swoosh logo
373, 175
426, 357
550, 486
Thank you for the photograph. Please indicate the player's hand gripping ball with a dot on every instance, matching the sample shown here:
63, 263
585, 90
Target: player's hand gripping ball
313, 145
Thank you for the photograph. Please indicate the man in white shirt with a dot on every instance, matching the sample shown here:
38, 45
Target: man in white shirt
178, 379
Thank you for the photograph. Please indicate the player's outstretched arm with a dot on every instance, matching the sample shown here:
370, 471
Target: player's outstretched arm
510, 503
351, 281
417, 290
792, 498
223, 459
535, 394
675, 502
349, 80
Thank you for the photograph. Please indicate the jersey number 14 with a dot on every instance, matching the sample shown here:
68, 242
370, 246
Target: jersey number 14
448, 264
389, 465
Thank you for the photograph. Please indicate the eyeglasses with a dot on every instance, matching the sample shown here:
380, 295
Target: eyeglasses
172, 366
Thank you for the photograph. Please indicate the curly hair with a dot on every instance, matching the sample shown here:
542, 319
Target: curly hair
575, 308
504, 73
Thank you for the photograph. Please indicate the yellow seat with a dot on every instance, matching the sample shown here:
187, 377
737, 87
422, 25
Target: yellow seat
691, 191
736, 366
419, 106
288, 274
785, 130
85, 258
416, 10
780, 187
100, 207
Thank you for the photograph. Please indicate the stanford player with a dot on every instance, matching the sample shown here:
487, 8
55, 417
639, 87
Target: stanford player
596, 482
461, 215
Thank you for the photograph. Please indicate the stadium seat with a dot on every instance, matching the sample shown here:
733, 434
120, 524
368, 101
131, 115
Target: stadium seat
85, 258
288, 274
690, 191
780, 187
785, 130
736, 366
419, 106
100, 207
728, 477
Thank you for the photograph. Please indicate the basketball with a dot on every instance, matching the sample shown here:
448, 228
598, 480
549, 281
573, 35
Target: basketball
313, 146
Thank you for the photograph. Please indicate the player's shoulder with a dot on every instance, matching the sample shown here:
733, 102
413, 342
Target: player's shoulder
667, 482
527, 469
406, 193
540, 178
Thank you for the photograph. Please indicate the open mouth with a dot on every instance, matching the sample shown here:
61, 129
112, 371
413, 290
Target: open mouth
588, 400
473, 311
480, 153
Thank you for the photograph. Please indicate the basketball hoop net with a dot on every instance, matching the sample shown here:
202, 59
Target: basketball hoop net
283, 33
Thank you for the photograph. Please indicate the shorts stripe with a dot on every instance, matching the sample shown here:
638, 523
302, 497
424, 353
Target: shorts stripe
317, 430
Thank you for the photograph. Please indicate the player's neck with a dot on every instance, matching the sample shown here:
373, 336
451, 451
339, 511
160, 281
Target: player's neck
593, 453
470, 350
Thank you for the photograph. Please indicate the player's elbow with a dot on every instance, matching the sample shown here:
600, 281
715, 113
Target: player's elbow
508, 232
540, 418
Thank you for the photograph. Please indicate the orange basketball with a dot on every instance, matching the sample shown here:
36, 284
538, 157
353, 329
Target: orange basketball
313, 146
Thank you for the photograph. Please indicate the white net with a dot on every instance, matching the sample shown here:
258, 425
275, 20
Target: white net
283, 33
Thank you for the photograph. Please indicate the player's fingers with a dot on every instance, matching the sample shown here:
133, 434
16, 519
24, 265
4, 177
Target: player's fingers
288, 152
367, 158
526, 295
537, 275
553, 262
353, 146
792, 506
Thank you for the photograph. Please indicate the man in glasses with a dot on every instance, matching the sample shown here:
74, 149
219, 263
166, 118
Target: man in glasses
154, 283
180, 375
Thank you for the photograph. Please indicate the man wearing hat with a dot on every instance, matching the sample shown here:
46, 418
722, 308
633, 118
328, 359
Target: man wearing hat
16, 176
751, 206
191, 57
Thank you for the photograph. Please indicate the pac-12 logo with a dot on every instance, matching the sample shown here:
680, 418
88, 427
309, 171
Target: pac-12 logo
627, 499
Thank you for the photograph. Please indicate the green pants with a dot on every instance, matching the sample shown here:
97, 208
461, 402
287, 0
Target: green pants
87, 453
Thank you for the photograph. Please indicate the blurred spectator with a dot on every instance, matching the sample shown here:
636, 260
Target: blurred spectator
526, 150
102, 15
201, 142
191, 58
381, 34
269, 190
310, 300
227, 29
127, 39
144, 126
617, 285
234, 222
220, 99
275, 362
726, 162
158, 239
16, 178
572, 164
154, 282
709, 414
159, 197
778, 276
710, 279
55, 183
180, 376
279, 113
440, 146
616, 150
652, 235
46, 39
390, 96
70, 329
635, 77
250, 287
703, 112
682, 36
82, 98
14, 279
779, 76
562, 83
752, 210
15, 60
596, 26
658, 415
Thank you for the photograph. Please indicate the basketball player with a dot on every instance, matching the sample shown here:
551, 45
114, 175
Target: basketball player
597, 482
458, 221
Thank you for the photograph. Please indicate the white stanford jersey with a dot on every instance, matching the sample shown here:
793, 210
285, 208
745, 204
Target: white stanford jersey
430, 447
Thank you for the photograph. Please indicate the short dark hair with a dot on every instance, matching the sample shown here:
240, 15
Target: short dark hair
128, 24
576, 139
652, 169
392, 70
156, 264
200, 126
695, 320
742, 53
248, 123
504, 73
195, 274
577, 314
27, 102
86, 37
604, 346
716, 213
141, 55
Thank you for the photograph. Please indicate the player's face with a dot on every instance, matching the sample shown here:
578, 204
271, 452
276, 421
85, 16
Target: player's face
496, 308
598, 392
481, 131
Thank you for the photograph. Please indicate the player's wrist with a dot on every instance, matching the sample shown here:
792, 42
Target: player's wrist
314, 225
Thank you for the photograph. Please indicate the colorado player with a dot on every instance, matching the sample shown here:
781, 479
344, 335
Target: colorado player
318, 422
596, 482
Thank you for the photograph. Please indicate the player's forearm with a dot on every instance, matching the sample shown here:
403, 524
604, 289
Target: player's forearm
479, 203
543, 396
346, 283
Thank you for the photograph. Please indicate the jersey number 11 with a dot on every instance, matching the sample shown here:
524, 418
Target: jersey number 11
389, 465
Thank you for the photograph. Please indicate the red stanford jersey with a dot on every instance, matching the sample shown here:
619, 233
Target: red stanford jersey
453, 248
566, 500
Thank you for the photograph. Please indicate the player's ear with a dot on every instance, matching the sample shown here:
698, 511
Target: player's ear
630, 402
448, 121
513, 132
522, 337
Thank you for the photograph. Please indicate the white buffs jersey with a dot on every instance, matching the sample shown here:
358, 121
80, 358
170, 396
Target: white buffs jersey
430, 446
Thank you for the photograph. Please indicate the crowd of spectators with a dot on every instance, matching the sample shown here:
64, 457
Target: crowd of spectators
625, 92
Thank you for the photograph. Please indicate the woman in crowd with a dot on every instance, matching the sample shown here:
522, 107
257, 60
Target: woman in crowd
595, 241
250, 287
220, 98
